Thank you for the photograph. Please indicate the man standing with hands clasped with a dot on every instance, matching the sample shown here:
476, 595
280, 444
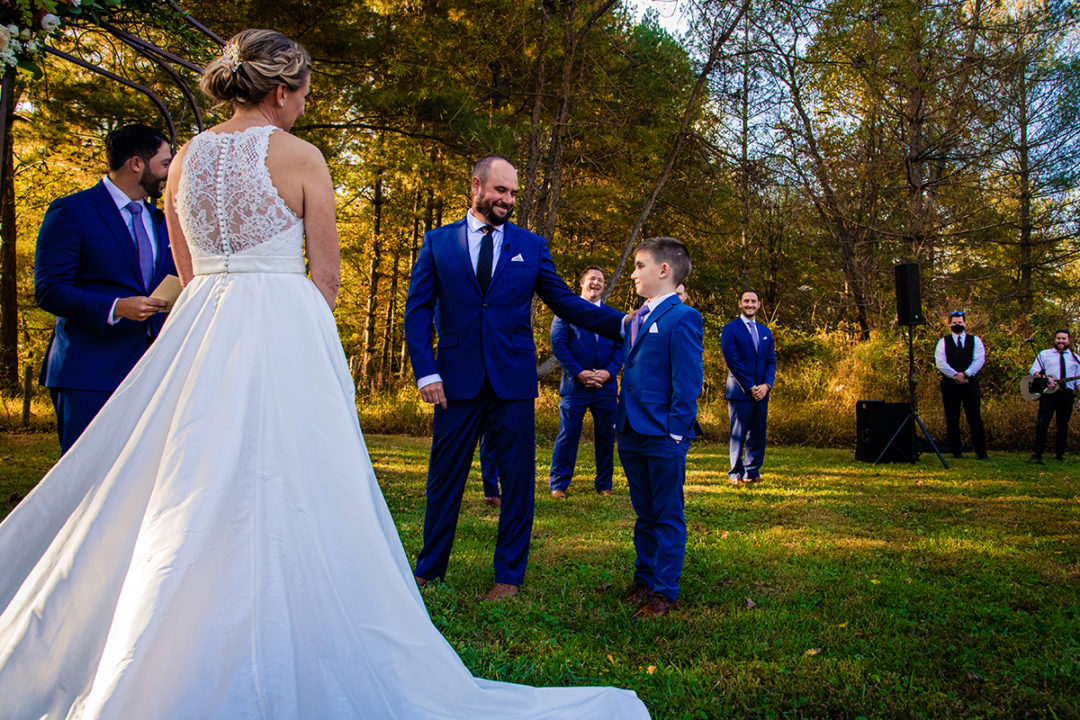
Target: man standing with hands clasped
960, 356
479, 276
590, 364
751, 360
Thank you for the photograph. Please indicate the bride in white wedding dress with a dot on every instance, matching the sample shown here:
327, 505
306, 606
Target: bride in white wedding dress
215, 545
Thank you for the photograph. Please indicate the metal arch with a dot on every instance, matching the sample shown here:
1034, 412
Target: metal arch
158, 56
123, 81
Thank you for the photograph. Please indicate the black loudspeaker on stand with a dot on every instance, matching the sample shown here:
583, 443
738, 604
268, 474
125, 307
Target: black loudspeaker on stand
909, 314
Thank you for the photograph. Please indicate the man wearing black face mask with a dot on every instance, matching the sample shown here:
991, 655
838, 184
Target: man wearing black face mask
960, 357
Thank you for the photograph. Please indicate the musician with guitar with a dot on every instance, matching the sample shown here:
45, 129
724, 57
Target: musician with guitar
1060, 367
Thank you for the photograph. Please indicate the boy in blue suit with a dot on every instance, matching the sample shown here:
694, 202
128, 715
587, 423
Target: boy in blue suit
662, 380
100, 253
751, 360
474, 280
590, 366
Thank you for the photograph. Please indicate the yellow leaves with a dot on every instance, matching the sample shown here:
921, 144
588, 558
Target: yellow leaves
811, 652
651, 669
611, 658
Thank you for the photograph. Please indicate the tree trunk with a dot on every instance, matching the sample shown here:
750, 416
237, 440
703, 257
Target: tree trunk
9, 300
700, 86
366, 363
553, 170
744, 159
1024, 152
527, 201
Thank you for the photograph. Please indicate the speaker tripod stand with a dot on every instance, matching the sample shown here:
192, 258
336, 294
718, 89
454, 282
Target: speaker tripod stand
913, 414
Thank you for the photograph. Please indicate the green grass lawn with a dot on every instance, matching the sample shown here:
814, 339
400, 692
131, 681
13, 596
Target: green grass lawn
833, 589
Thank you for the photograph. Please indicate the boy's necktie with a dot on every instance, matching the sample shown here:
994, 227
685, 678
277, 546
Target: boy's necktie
638, 322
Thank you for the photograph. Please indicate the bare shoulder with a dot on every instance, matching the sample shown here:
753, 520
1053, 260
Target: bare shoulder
300, 153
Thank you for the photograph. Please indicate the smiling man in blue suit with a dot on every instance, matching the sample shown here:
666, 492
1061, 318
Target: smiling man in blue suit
590, 365
479, 276
100, 254
751, 360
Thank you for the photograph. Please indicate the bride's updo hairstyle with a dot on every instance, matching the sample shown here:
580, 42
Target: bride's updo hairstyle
252, 64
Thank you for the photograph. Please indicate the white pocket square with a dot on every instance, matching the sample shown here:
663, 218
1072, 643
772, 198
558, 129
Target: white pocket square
517, 258
653, 328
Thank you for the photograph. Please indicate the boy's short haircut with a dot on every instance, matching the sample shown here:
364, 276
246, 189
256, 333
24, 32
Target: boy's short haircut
671, 251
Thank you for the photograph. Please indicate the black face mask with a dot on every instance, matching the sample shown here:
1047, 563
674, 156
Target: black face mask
957, 329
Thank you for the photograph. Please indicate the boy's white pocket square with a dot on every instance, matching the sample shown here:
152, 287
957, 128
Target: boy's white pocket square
653, 328
517, 258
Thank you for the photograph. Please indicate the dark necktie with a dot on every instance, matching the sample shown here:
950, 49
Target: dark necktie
142, 243
483, 262
960, 342
1062, 371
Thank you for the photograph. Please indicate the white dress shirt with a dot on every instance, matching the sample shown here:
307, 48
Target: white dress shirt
121, 199
978, 359
475, 235
1051, 360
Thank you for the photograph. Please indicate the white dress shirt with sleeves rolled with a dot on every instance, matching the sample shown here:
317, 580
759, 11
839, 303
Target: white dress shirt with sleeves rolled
1051, 361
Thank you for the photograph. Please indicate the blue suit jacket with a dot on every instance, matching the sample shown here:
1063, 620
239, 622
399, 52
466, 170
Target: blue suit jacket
578, 350
663, 373
86, 258
488, 335
747, 367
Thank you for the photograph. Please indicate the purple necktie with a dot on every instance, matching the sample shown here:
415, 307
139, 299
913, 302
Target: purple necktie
638, 322
754, 334
142, 243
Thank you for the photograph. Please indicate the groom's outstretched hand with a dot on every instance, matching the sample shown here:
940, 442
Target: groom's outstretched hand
434, 394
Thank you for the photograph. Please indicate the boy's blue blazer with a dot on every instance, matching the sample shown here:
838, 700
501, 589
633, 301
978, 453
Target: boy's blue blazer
663, 372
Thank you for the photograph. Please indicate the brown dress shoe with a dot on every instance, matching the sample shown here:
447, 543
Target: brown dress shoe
658, 606
420, 582
604, 492
495, 502
638, 595
558, 494
500, 590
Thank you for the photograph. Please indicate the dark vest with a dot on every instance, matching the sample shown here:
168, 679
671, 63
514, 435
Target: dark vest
957, 358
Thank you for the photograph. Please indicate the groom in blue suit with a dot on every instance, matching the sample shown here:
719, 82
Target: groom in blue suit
751, 360
100, 254
474, 280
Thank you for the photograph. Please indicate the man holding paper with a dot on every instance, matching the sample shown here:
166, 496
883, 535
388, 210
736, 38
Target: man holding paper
101, 253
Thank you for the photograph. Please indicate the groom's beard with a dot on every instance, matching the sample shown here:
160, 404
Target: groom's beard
489, 210
153, 185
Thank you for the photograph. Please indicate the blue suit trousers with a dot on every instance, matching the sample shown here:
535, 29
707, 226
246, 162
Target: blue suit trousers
511, 428
564, 457
655, 468
748, 420
489, 467
74, 411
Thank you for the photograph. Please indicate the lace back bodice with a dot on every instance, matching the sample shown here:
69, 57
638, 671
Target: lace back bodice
228, 204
